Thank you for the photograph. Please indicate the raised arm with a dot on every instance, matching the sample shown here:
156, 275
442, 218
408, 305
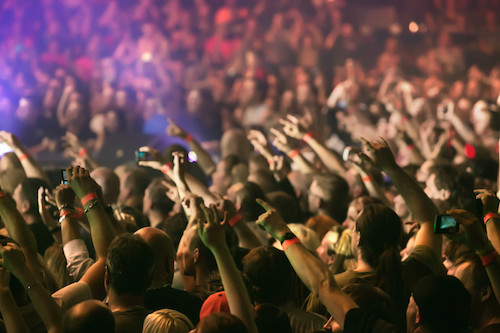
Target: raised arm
419, 204
309, 268
281, 142
490, 215
204, 158
30, 165
12, 318
332, 161
212, 234
49, 311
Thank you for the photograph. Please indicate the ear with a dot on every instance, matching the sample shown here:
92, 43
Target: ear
444, 195
196, 255
25, 206
418, 319
485, 293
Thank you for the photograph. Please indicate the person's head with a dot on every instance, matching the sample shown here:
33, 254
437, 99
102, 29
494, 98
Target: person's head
245, 201
371, 299
129, 265
270, 319
26, 196
265, 180
88, 316
376, 238
167, 320
328, 194
470, 271
193, 254
449, 188
234, 142
132, 188
285, 205
221, 322
164, 253
222, 177
174, 227
156, 199
109, 183
356, 206
270, 275
440, 304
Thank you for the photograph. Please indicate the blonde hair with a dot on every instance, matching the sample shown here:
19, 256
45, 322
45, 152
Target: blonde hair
167, 320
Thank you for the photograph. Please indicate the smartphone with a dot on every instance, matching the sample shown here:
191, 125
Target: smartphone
445, 224
64, 177
142, 156
4, 149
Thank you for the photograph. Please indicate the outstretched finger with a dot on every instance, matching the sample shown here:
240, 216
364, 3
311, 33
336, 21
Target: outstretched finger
206, 212
264, 204
276, 133
215, 215
284, 122
41, 203
293, 119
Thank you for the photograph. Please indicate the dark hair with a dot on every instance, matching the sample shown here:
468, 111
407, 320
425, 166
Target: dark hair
270, 274
250, 209
130, 264
266, 180
285, 205
460, 186
137, 180
230, 162
221, 322
29, 192
174, 226
270, 319
157, 193
380, 231
336, 198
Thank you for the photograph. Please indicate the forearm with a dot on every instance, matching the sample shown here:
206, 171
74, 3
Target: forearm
493, 231
374, 190
236, 291
330, 159
46, 307
12, 318
69, 230
30, 165
493, 271
101, 229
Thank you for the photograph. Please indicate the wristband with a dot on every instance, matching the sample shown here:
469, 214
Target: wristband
87, 198
235, 219
188, 138
293, 154
64, 212
286, 243
270, 161
489, 258
366, 179
82, 152
2, 194
489, 216
22, 157
166, 168
92, 205
307, 137
411, 146
470, 151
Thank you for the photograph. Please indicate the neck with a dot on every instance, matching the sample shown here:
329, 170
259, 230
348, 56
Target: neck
155, 218
123, 302
202, 279
363, 266
489, 316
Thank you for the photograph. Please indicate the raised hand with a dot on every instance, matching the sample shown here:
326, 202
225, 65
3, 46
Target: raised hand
43, 208
489, 199
174, 130
280, 141
476, 237
293, 128
10, 139
212, 231
179, 166
379, 154
277, 167
71, 141
80, 181
193, 203
260, 143
65, 196
12, 258
271, 221
157, 160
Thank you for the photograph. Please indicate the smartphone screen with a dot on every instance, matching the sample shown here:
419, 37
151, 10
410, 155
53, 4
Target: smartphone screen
64, 177
141, 156
445, 224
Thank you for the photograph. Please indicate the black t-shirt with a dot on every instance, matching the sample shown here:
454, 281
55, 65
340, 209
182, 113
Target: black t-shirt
130, 321
358, 321
175, 299
43, 237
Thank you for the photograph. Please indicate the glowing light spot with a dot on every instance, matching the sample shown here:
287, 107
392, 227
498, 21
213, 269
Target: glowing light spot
192, 157
413, 27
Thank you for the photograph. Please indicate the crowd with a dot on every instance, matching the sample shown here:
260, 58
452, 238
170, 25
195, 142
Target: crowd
295, 161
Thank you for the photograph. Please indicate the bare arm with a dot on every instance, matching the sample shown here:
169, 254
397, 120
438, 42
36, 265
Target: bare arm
283, 145
14, 322
212, 234
417, 201
30, 165
490, 207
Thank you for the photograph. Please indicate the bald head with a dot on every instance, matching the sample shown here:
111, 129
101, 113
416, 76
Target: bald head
109, 182
163, 249
89, 316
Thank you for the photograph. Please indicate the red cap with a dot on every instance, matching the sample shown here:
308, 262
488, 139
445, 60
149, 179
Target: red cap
214, 303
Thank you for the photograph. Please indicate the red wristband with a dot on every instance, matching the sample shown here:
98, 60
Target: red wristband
307, 137
65, 211
411, 146
87, 198
366, 179
286, 244
188, 138
166, 168
235, 219
490, 216
22, 157
293, 154
270, 161
82, 152
489, 258
2, 194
